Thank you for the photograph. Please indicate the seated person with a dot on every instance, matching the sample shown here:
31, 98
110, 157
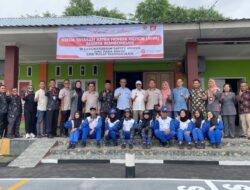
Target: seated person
92, 128
183, 129
196, 126
164, 128
145, 126
112, 126
128, 126
213, 126
75, 126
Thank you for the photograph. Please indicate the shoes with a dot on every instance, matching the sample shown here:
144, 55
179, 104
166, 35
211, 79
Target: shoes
98, 145
70, 146
218, 146
181, 146
123, 146
115, 143
149, 145
213, 145
189, 146
144, 145
32, 135
83, 144
50, 136
202, 145
27, 136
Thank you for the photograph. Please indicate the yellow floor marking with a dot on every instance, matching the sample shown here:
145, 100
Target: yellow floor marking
18, 184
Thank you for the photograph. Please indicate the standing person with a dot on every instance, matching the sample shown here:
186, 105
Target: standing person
213, 97
52, 108
76, 100
138, 97
152, 96
14, 114
4, 101
167, 97
198, 97
106, 99
42, 101
30, 108
65, 96
228, 111
90, 98
244, 109
123, 97
180, 97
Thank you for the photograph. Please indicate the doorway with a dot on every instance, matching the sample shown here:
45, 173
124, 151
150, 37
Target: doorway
131, 77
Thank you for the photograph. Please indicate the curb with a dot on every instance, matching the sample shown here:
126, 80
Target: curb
167, 162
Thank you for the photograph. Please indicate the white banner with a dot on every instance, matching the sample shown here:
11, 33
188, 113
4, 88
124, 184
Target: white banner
137, 41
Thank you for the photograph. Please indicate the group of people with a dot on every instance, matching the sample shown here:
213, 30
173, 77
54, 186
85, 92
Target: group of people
164, 114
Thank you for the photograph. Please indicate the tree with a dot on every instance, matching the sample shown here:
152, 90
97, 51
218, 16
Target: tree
79, 8
152, 11
113, 13
162, 11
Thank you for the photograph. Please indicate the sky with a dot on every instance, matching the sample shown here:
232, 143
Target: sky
16, 8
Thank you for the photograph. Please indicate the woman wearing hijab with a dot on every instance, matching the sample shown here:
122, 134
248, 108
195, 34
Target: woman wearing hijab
196, 126
75, 126
183, 129
30, 109
76, 102
213, 127
213, 97
167, 97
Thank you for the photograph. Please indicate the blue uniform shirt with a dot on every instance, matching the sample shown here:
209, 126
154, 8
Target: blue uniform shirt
123, 99
179, 101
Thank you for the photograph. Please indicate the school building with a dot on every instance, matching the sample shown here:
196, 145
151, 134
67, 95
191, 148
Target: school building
219, 50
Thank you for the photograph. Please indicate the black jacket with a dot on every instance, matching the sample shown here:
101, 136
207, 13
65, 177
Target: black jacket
15, 106
30, 105
4, 101
53, 99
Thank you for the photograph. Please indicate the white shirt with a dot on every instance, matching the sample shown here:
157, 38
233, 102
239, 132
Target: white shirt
94, 122
128, 124
164, 123
138, 103
41, 99
184, 125
112, 124
65, 96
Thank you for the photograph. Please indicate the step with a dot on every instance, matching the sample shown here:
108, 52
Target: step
32, 156
231, 150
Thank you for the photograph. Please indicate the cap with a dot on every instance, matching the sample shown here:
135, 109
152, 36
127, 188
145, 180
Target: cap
138, 82
164, 109
92, 108
112, 111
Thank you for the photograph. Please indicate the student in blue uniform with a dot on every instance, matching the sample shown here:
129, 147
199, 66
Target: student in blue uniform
183, 129
128, 127
74, 126
112, 126
92, 128
145, 126
196, 126
213, 126
164, 128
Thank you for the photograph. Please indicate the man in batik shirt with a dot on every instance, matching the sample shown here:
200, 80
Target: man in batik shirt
198, 97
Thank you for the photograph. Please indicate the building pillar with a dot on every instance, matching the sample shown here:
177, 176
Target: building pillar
43, 72
191, 62
11, 66
110, 72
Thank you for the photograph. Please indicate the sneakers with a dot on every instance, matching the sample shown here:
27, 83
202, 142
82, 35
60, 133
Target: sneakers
189, 146
27, 136
32, 135
123, 146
